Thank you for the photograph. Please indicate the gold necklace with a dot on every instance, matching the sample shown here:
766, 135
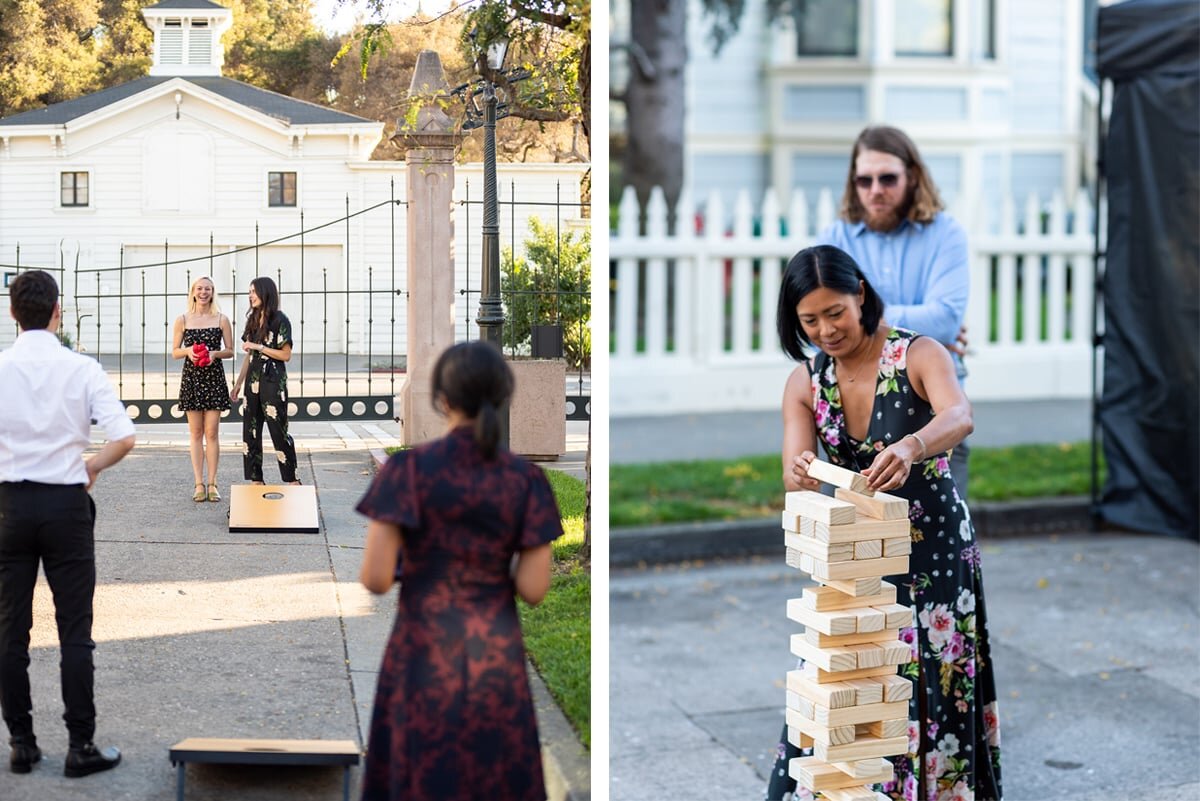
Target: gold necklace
854, 377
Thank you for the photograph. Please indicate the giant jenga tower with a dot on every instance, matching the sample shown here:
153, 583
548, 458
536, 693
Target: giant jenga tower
848, 703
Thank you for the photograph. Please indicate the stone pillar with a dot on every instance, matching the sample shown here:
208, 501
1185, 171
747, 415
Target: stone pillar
429, 142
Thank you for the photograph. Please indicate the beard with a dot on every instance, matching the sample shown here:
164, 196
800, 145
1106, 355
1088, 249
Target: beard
889, 220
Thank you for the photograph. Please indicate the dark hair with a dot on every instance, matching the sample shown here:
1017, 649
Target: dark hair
258, 320
925, 201
813, 268
473, 378
32, 296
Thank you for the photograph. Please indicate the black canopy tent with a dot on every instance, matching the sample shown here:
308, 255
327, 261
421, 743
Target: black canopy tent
1149, 412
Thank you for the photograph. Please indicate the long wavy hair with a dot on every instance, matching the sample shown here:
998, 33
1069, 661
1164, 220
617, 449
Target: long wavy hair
473, 378
258, 319
923, 200
214, 307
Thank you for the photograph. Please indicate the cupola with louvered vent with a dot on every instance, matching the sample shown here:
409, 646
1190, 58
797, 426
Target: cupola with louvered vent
187, 36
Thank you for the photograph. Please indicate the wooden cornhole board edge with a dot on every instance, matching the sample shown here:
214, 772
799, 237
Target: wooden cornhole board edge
297, 511
238, 751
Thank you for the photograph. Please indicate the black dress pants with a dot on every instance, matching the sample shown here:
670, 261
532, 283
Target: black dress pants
53, 524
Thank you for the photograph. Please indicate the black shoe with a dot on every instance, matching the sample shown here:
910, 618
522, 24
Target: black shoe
23, 757
90, 759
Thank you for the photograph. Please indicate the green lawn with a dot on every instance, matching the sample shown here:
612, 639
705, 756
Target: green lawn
679, 492
558, 631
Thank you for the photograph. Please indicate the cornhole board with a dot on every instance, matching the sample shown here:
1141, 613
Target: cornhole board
273, 507
221, 751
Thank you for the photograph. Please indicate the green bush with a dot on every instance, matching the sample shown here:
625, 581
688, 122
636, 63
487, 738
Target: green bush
550, 285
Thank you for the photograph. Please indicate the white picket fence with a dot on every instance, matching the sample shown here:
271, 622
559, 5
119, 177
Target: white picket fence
693, 314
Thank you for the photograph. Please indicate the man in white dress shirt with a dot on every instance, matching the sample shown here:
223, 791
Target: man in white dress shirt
50, 398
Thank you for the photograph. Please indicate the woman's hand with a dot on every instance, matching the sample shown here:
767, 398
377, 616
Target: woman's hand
891, 467
250, 347
233, 395
798, 473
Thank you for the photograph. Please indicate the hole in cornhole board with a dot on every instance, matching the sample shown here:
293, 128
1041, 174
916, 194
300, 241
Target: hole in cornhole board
233, 762
273, 507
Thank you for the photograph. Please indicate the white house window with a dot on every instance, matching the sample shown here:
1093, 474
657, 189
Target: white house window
924, 27
983, 29
826, 27
281, 189
74, 189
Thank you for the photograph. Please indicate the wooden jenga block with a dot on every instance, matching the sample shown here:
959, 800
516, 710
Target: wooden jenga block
877, 654
896, 616
862, 748
854, 715
859, 587
826, 599
892, 727
829, 735
869, 655
866, 691
859, 768
896, 688
839, 477
838, 622
803, 705
869, 619
825, 641
863, 528
864, 793
799, 738
898, 546
881, 506
818, 776
794, 558
825, 551
858, 568
821, 508
831, 659
868, 549
821, 676
834, 695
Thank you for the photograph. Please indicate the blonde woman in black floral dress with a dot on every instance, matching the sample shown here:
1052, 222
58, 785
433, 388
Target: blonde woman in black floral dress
886, 402
203, 391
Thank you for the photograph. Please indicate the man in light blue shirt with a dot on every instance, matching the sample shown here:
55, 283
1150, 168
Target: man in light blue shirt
915, 255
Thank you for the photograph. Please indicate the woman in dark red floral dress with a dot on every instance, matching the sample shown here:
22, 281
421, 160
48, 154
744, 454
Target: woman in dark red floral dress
453, 715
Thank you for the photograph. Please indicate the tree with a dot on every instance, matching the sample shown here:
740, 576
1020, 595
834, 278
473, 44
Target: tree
551, 284
653, 99
47, 52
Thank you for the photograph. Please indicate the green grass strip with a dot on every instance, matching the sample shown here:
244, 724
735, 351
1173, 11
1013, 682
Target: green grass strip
559, 641
734, 489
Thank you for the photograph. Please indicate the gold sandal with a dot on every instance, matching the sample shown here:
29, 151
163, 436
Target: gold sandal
199, 495
213, 494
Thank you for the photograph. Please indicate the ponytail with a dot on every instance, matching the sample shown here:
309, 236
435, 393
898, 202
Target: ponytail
487, 428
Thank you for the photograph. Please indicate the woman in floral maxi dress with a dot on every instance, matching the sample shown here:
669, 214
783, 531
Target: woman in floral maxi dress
896, 425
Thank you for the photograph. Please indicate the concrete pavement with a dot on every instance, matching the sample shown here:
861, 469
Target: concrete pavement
1096, 643
203, 632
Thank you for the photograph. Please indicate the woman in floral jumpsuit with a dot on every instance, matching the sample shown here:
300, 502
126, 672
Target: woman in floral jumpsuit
267, 341
896, 426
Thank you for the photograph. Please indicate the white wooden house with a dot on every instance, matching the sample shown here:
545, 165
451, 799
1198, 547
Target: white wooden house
185, 163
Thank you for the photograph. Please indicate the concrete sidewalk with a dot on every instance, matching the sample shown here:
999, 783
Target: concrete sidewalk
1095, 642
203, 632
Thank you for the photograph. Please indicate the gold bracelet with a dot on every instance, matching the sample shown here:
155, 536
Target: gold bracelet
924, 450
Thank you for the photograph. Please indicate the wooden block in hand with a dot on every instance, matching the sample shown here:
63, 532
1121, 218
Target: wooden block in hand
863, 748
825, 551
829, 735
826, 599
818, 776
868, 549
858, 587
898, 546
896, 688
862, 528
837, 622
839, 477
880, 506
892, 727
820, 508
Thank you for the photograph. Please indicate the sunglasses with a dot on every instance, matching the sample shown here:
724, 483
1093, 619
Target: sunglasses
888, 180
